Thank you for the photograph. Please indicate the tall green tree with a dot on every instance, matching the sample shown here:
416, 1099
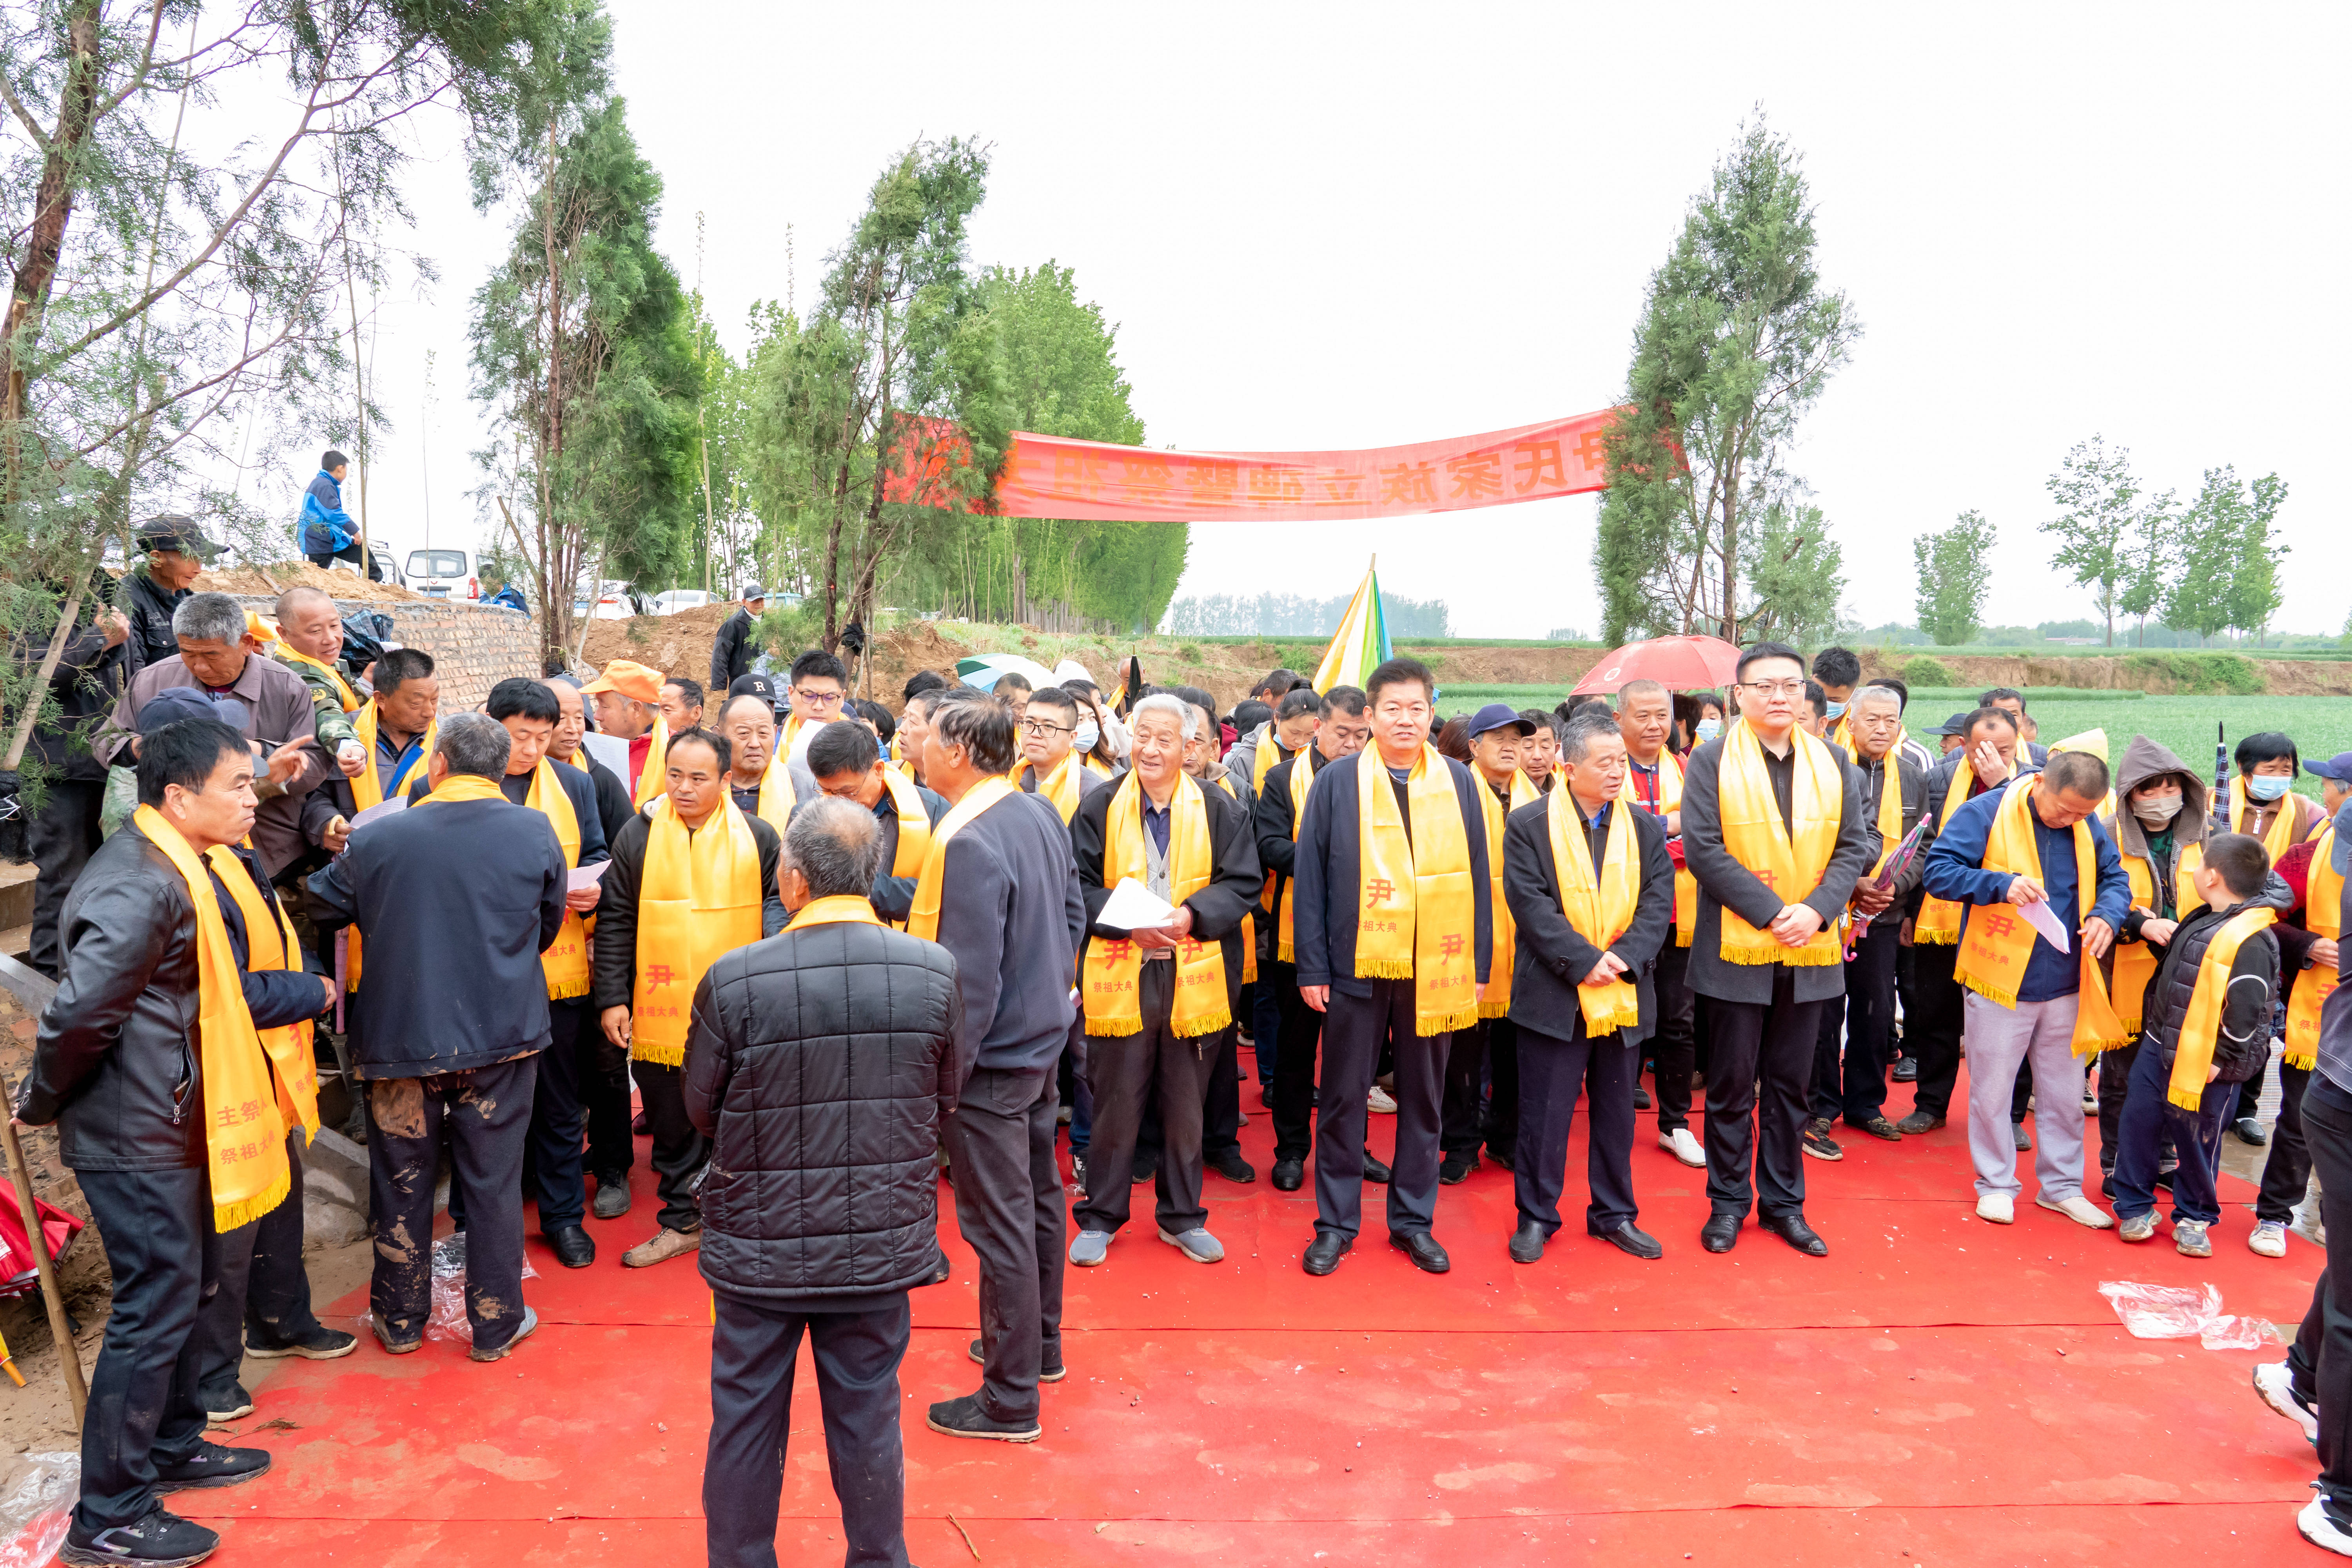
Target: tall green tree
2098, 499
1796, 573
2212, 534
2151, 559
2256, 588
1954, 578
580, 343
1738, 336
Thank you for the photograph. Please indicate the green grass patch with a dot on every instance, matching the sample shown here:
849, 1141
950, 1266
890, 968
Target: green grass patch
1965, 696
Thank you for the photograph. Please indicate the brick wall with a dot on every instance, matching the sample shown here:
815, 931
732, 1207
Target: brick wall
474, 646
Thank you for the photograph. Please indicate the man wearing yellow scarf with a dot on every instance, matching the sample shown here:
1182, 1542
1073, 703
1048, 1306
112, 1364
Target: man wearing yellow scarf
2036, 840
1984, 760
849, 765
1774, 832
1591, 890
1654, 784
693, 877
1394, 932
1488, 1048
1051, 765
628, 707
761, 783
818, 689
570, 1064
458, 896
999, 889
174, 1116
2263, 801
309, 641
1344, 726
2206, 1033
1158, 1001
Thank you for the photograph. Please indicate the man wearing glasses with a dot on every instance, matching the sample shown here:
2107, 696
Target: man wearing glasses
1774, 832
1052, 767
818, 687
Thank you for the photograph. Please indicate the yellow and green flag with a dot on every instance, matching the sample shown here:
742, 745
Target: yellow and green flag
1362, 644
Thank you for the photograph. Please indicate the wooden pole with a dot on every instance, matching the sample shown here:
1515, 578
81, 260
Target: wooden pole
69, 1357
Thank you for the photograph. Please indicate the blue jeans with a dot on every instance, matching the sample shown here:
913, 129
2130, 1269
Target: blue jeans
2147, 1116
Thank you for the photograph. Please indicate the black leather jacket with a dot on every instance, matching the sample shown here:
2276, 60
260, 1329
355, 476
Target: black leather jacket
116, 1064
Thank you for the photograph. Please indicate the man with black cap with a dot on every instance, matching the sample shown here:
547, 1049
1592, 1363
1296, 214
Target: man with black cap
1495, 734
149, 598
91, 669
738, 644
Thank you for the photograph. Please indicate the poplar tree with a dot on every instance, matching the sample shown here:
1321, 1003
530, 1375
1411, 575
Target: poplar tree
1955, 579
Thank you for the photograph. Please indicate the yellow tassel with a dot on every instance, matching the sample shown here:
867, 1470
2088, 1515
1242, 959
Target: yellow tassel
1935, 938
1282, 950
228, 1217
1206, 1026
1754, 955
1114, 1029
1682, 940
570, 990
1383, 968
1495, 1009
2006, 998
659, 1056
2304, 1059
2187, 1100
1447, 1023
1811, 957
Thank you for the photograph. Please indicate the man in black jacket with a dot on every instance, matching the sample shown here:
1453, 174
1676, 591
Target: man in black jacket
92, 668
820, 1066
152, 590
1343, 730
1554, 963
605, 1075
737, 643
847, 764
1009, 908
457, 897
118, 1065
1123, 1062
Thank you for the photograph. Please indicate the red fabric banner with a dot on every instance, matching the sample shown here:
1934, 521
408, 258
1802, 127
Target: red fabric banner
1051, 476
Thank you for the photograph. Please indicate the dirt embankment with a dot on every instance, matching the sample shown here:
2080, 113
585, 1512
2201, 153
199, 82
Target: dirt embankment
2281, 677
269, 581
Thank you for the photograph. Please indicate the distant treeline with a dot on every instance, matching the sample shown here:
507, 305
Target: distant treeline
1288, 614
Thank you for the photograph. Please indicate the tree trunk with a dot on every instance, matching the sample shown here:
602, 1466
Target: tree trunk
52, 212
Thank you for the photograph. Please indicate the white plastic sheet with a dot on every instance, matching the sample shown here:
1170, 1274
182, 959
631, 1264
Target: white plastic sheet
2178, 1312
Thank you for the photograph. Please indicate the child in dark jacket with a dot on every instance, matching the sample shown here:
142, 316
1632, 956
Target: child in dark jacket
2207, 1031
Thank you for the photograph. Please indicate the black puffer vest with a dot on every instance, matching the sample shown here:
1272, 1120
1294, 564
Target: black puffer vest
2167, 1004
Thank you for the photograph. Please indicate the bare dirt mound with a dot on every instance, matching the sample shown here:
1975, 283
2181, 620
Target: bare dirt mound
279, 576
675, 645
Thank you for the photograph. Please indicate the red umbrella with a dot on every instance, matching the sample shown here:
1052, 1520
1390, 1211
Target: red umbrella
18, 1275
1682, 664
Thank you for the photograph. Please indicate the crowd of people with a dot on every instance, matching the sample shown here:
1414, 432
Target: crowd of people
825, 957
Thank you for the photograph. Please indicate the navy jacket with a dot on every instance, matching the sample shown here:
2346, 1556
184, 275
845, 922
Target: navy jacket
1218, 909
1551, 957
1955, 871
1324, 908
1011, 913
457, 901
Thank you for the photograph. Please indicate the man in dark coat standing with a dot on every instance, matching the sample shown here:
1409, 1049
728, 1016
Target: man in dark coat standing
151, 592
457, 896
738, 643
1765, 1018
1556, 965
92, 668
821, 1064
999, 889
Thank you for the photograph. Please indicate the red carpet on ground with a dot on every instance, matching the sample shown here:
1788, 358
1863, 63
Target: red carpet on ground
1937, 1390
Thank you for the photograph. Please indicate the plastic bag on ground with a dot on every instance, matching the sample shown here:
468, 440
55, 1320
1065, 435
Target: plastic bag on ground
2180, 1312
449, 1320
38, 1509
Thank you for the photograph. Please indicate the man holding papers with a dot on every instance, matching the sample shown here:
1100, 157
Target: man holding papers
1170, 871
2041, 892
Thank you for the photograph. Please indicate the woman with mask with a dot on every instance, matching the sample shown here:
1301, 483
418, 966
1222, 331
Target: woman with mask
2261, 797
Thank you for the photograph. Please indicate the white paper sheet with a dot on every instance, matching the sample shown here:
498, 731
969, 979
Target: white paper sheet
2044, 919
587, 875
1134, 907
397, 803
610, 751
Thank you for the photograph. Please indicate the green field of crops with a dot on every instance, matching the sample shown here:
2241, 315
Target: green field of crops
2321, 726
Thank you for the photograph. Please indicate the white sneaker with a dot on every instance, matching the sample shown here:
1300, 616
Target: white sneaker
1380, 1101
1684, 1147
2079, 1209
2321, 1531
1196, 1244
2268, 1240
1997, 1209
2276, 1386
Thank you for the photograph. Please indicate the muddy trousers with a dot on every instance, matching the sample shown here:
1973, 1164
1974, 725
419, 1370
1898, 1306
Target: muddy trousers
483, 1118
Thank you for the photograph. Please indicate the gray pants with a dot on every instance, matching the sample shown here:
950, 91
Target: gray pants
1999, 1037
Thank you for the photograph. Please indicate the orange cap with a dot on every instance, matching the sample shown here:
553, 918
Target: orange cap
258, 629
629, 678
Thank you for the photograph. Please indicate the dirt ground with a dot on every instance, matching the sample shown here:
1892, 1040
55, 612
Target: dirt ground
284, 574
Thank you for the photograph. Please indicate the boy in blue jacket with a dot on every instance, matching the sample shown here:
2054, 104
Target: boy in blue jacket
328, 532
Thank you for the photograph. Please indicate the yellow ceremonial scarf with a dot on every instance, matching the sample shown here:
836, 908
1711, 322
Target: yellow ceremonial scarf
1670, 798
1418, 920
914, 825
1599, 908
840, 909
1497, 1003
2135, 965
699, 899
1269, 756
565, 964
2323, 915
2280, 837
1890, 796
1754, 835
652, 783
776, 796
2193, 1056
1061, 785
1113, 969
1998, 941
1302, 777
1938, 924
368, 792
1100, 769
579, 758
245, 1121
923, 916
343, 692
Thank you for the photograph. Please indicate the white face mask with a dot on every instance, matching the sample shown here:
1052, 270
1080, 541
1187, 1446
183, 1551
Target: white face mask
1087, 734
1708, 729
2156, 810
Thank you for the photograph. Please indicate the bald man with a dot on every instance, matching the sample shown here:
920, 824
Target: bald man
309, 641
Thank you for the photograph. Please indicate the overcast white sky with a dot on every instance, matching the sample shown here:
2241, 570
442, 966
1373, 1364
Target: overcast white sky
1352, 225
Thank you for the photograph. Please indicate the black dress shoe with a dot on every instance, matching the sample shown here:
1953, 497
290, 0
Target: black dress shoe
1422, 1248
1506, 1156
1906, 1070
1528, 1242
2249, 1130
1289, 1175
1233, 1167
1455, 1169
1641, 1097
572, 1245
1792, 1229
1630, 1238
1374, 1170
1142, 1174
1323, 1252
1719, 1233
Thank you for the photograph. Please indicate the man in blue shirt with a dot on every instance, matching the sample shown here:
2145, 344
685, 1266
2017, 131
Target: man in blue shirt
328, 532
2065, 801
